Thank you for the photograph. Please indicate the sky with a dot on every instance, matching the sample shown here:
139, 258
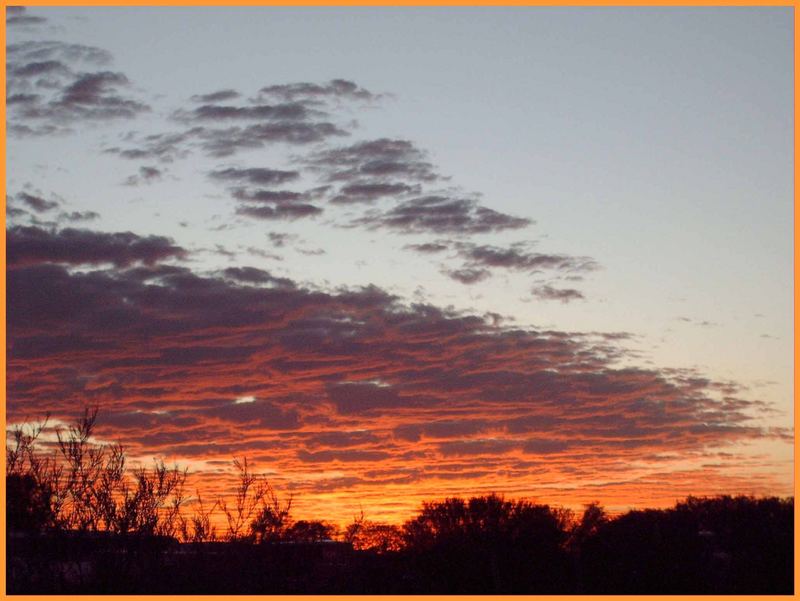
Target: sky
392, 255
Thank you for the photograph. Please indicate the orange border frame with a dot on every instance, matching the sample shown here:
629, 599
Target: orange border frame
395, 4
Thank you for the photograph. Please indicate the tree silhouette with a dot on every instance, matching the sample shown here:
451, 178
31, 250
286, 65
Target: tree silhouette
366, 535
489, 544
81, 505
84, 486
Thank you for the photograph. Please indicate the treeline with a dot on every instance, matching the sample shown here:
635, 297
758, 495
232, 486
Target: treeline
80, 522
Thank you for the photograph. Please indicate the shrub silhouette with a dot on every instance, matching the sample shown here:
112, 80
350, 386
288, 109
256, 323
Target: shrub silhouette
310, 531
84, 486
28, 503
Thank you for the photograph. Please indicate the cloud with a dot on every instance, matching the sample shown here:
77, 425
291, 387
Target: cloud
367, 192
379, 158
226, 142
163, 147
416, 387
262, 414
360, 397
345, 456
37, 203
18, 16
428, 247
267, 203
12, 211
33, 245
216, 112
146, 175
279, 240
441, 429
517, 259
78, 216
50, 93
299, 117
36, 68
253, 275
280, 210
218, 96
565, 295
469, 275
257, 176
336, 88
313, 252
441, 215
341, 440
268, 196
476, 447
479, 260
349, 376
30, 51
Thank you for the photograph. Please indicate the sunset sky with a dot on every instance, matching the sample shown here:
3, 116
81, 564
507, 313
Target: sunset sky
401, 254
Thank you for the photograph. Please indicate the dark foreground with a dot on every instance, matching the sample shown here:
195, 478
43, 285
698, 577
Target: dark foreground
715, 546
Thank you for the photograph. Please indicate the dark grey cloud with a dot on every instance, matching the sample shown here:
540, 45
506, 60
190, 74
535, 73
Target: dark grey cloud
261, 112
226, 142
370, 191
218, 96
375, 159
36, 68
256, 176
162, 147
279, 239
281, 210
341, 440
18, 15
31, 51
252, 275
37, 203
313, 252
440, 429
441, 215
146, 175
469, 275
359, 397
223, 142
261, 203
12, 211
23, 99
545, 446
147, 420
336, 88
78, 216
259, 413
565, 295
33, 245
267, 196
516, 258
480, 260
91, 96
50, 92
702, 323
428, 247
258, 252
297, 114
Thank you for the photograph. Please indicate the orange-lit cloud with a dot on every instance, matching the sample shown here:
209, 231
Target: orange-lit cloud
353, 396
